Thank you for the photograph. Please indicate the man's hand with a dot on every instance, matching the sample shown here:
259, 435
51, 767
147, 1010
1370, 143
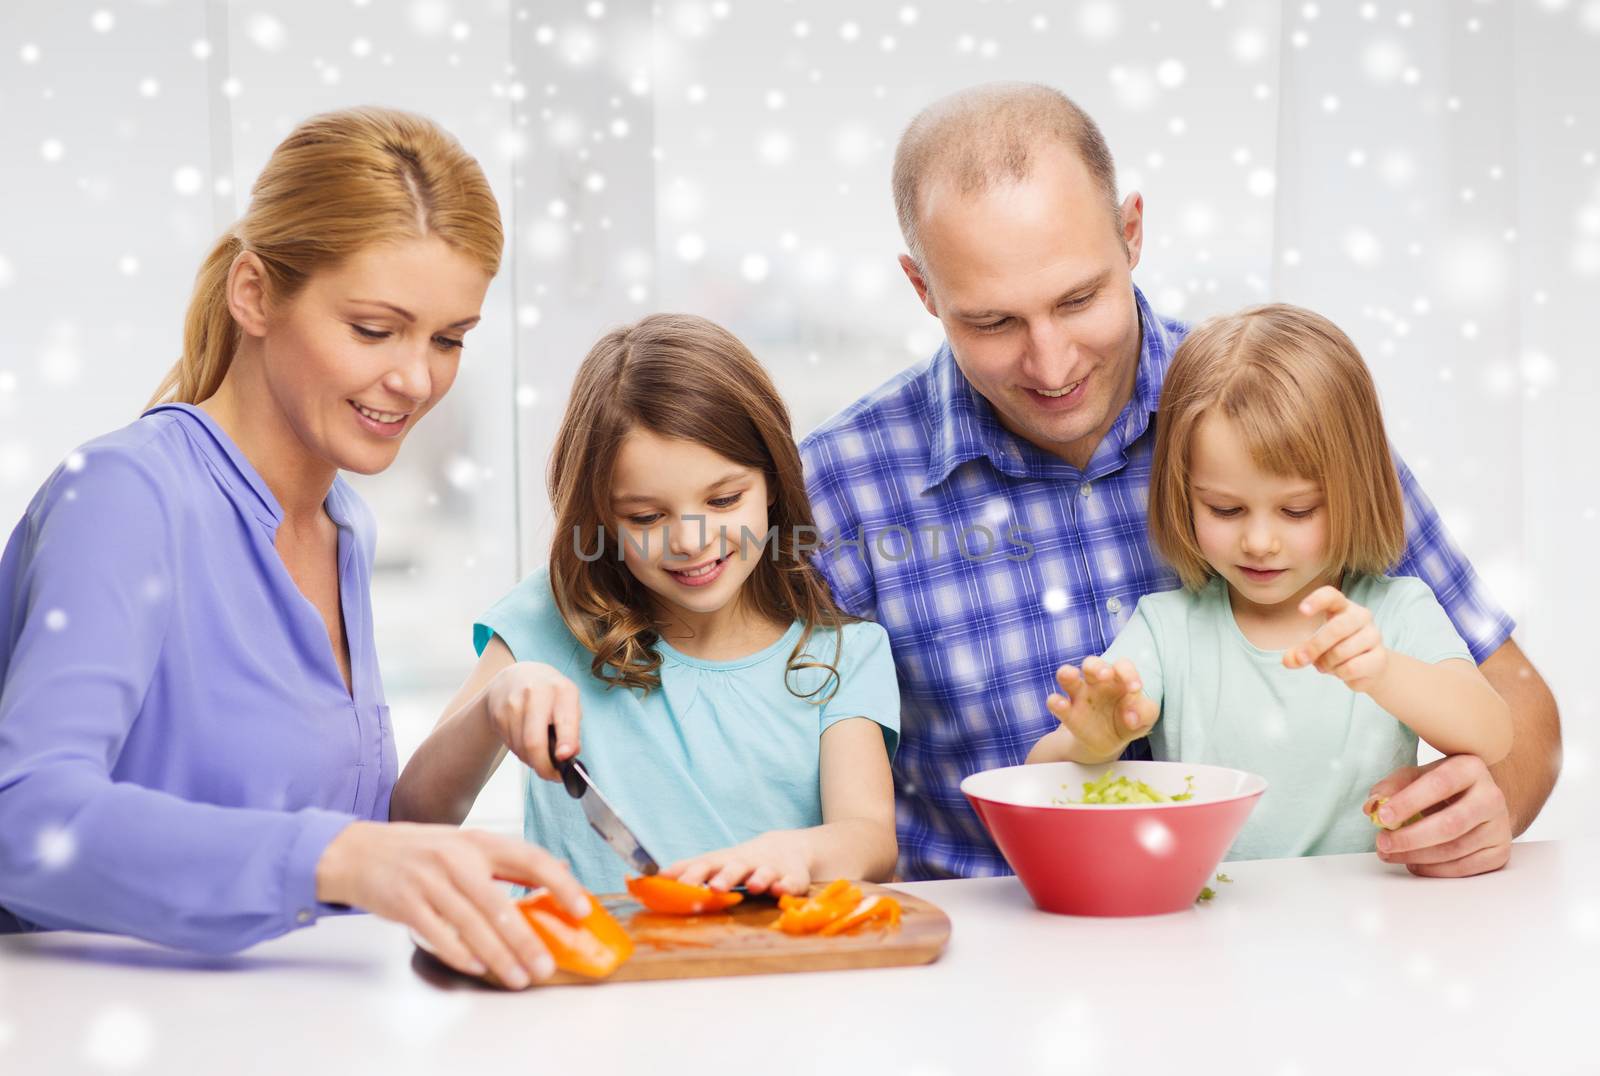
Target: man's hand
1465, 828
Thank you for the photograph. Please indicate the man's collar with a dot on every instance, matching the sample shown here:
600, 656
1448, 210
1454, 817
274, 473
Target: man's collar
964, 425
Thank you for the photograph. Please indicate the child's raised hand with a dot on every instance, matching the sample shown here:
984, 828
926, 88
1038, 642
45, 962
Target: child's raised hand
524, 701
1103, 708
778, 862
1349, 645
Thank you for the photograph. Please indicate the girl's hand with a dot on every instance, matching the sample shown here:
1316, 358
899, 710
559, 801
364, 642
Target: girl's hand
524, 700
777, 862
441, 882
1349, 645
1103, 708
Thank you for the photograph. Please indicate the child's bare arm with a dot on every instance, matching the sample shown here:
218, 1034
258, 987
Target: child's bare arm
505, 704
1449, 704
856, 839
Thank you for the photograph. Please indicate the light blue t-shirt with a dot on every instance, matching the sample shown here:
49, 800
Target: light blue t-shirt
720, 753
1320, 745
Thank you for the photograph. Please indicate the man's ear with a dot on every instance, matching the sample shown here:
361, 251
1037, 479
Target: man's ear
247, 293
919, 282
1132, 212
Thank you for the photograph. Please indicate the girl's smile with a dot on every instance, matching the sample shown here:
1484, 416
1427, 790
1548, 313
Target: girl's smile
702, 575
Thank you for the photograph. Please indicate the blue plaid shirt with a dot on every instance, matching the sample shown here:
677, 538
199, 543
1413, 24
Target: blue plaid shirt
1051, 562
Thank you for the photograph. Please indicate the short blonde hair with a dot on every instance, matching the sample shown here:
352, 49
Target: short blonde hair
988, 134
1299, 395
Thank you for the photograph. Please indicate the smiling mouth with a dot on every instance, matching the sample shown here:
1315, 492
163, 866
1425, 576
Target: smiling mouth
385, 417
703, 569
1055, 394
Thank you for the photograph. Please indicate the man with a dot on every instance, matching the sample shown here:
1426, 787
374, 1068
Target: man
990, 504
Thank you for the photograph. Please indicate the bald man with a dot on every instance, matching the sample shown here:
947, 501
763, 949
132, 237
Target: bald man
987, 507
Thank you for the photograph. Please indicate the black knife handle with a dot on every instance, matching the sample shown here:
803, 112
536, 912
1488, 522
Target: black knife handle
569, 773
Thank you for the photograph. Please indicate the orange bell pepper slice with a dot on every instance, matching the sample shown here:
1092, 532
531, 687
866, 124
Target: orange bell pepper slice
668, 896
594, 946
875, 909
809, 915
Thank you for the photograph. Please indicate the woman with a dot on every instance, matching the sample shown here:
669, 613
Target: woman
194, 747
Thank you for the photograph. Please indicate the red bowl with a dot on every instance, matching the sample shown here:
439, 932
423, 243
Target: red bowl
1113, 859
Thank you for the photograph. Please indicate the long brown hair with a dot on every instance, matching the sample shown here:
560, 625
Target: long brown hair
1297, 391
682, 377
338, 183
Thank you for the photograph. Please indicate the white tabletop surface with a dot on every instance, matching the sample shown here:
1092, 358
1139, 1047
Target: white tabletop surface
1333, 965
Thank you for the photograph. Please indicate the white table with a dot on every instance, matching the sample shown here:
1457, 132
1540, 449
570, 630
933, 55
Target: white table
1333, 965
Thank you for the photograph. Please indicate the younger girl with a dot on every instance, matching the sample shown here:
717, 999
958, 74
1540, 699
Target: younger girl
735, 719
1275, 498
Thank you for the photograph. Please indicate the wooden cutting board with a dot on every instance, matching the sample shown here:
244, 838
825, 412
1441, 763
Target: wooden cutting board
740, 941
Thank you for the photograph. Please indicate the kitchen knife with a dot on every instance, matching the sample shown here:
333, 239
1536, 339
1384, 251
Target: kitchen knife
602, 817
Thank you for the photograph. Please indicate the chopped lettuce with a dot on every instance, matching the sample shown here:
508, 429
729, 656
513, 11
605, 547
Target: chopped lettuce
1111, 788
1206, 893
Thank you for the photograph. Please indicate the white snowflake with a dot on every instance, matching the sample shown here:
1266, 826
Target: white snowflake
187, 180
1249, 44
56, 848
690, 247
119, 1037
1154, 837
754, 268
267, 32
1099, 20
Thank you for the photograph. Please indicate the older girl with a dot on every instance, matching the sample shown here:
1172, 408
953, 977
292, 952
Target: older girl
732, 714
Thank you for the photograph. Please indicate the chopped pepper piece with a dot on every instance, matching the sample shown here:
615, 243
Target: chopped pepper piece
875, 909
594, 946
809, 915
668, 896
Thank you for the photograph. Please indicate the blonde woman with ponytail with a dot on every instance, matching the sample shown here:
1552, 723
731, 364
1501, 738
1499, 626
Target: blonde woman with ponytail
194, 746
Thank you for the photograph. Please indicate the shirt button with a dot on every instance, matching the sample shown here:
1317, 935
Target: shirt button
1085, 489
1114, 605
302, 916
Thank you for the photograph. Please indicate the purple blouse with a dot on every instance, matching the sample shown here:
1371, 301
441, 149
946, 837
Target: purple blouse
177, 746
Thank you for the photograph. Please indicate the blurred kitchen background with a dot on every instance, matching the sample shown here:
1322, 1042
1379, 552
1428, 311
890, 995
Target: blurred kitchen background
1423, 172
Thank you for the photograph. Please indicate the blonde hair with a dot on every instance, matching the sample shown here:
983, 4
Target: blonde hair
1297, 392
687, 378
338, 183
988, 134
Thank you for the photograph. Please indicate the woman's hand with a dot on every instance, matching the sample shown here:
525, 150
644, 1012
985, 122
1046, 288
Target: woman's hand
524, 701
1104, 708
1348, 645
777, 862
442, 882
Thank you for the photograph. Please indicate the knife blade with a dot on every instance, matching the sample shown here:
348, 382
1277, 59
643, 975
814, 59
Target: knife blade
603, 818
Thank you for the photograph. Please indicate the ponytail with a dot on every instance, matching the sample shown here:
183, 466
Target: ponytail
209, 333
